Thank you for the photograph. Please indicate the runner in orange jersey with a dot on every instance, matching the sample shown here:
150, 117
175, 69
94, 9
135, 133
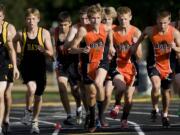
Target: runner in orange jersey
124, 36
164, 38
95, 69
108, 17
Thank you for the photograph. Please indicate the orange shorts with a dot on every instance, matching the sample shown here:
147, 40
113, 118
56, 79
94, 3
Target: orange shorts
128, 71
91, 69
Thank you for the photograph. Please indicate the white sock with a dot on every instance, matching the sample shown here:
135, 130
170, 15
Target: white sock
0, 129
165, 114
79, 109
157, 110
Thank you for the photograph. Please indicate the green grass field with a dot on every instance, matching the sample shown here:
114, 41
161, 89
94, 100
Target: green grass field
19, 97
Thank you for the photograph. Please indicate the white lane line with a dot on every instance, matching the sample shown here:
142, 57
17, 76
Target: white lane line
145, 113
56, 125
136, 126
41, 121
57, 129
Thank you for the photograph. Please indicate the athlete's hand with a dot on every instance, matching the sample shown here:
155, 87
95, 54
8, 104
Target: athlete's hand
112, 51
15, 73
173, 45
86, 49
41, 49
133, 47
110, 57
71, 51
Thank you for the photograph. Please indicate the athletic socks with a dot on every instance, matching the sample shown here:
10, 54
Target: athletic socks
79, 109
126, 111
92, 116
100, 109
117, 102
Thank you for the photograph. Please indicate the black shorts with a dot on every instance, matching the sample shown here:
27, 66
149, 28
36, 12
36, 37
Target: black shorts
165, 83
104, 64
83, 73
38, 75
3, 73
3, 76
70, 71
177, 68
10, 74
84, 67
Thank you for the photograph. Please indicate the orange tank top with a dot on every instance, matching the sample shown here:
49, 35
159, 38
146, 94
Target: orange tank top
162, 50
122, 44
96, 42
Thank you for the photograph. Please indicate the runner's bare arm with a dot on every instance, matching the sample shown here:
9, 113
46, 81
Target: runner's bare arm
12, 53
78, 38
138, 52
111, 46
71, 35
176, 46
146, 33
48, 43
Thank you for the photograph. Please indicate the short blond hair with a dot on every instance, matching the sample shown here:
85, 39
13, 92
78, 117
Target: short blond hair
94, 9
110, 11
124, 10
33, 11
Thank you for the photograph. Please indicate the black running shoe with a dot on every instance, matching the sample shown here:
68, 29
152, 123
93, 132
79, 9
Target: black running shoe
6, 128
165, 122
92, 126
86, 124
153, 115
68, 121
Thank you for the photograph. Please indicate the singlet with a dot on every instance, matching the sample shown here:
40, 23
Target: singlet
4, 55
96, 41
122, 44
31, 56
162, 50
63, 57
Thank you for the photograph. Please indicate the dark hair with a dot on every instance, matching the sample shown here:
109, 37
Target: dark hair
2, 8
164, 13
64, 16
83, 10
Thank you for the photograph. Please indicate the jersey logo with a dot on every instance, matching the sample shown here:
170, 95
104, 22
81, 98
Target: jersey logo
97, 45
123, 46
31, 47
163, 46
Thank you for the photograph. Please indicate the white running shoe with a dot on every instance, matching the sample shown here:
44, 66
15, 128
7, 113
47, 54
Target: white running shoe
26, 120
35, 128
79, 114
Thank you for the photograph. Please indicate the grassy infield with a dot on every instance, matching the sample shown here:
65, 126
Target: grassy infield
53, 97
52, 94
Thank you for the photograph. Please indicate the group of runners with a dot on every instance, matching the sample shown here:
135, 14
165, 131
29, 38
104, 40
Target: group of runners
95, 57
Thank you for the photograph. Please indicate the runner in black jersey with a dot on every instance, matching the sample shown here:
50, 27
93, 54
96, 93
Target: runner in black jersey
35, 45
7, 56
